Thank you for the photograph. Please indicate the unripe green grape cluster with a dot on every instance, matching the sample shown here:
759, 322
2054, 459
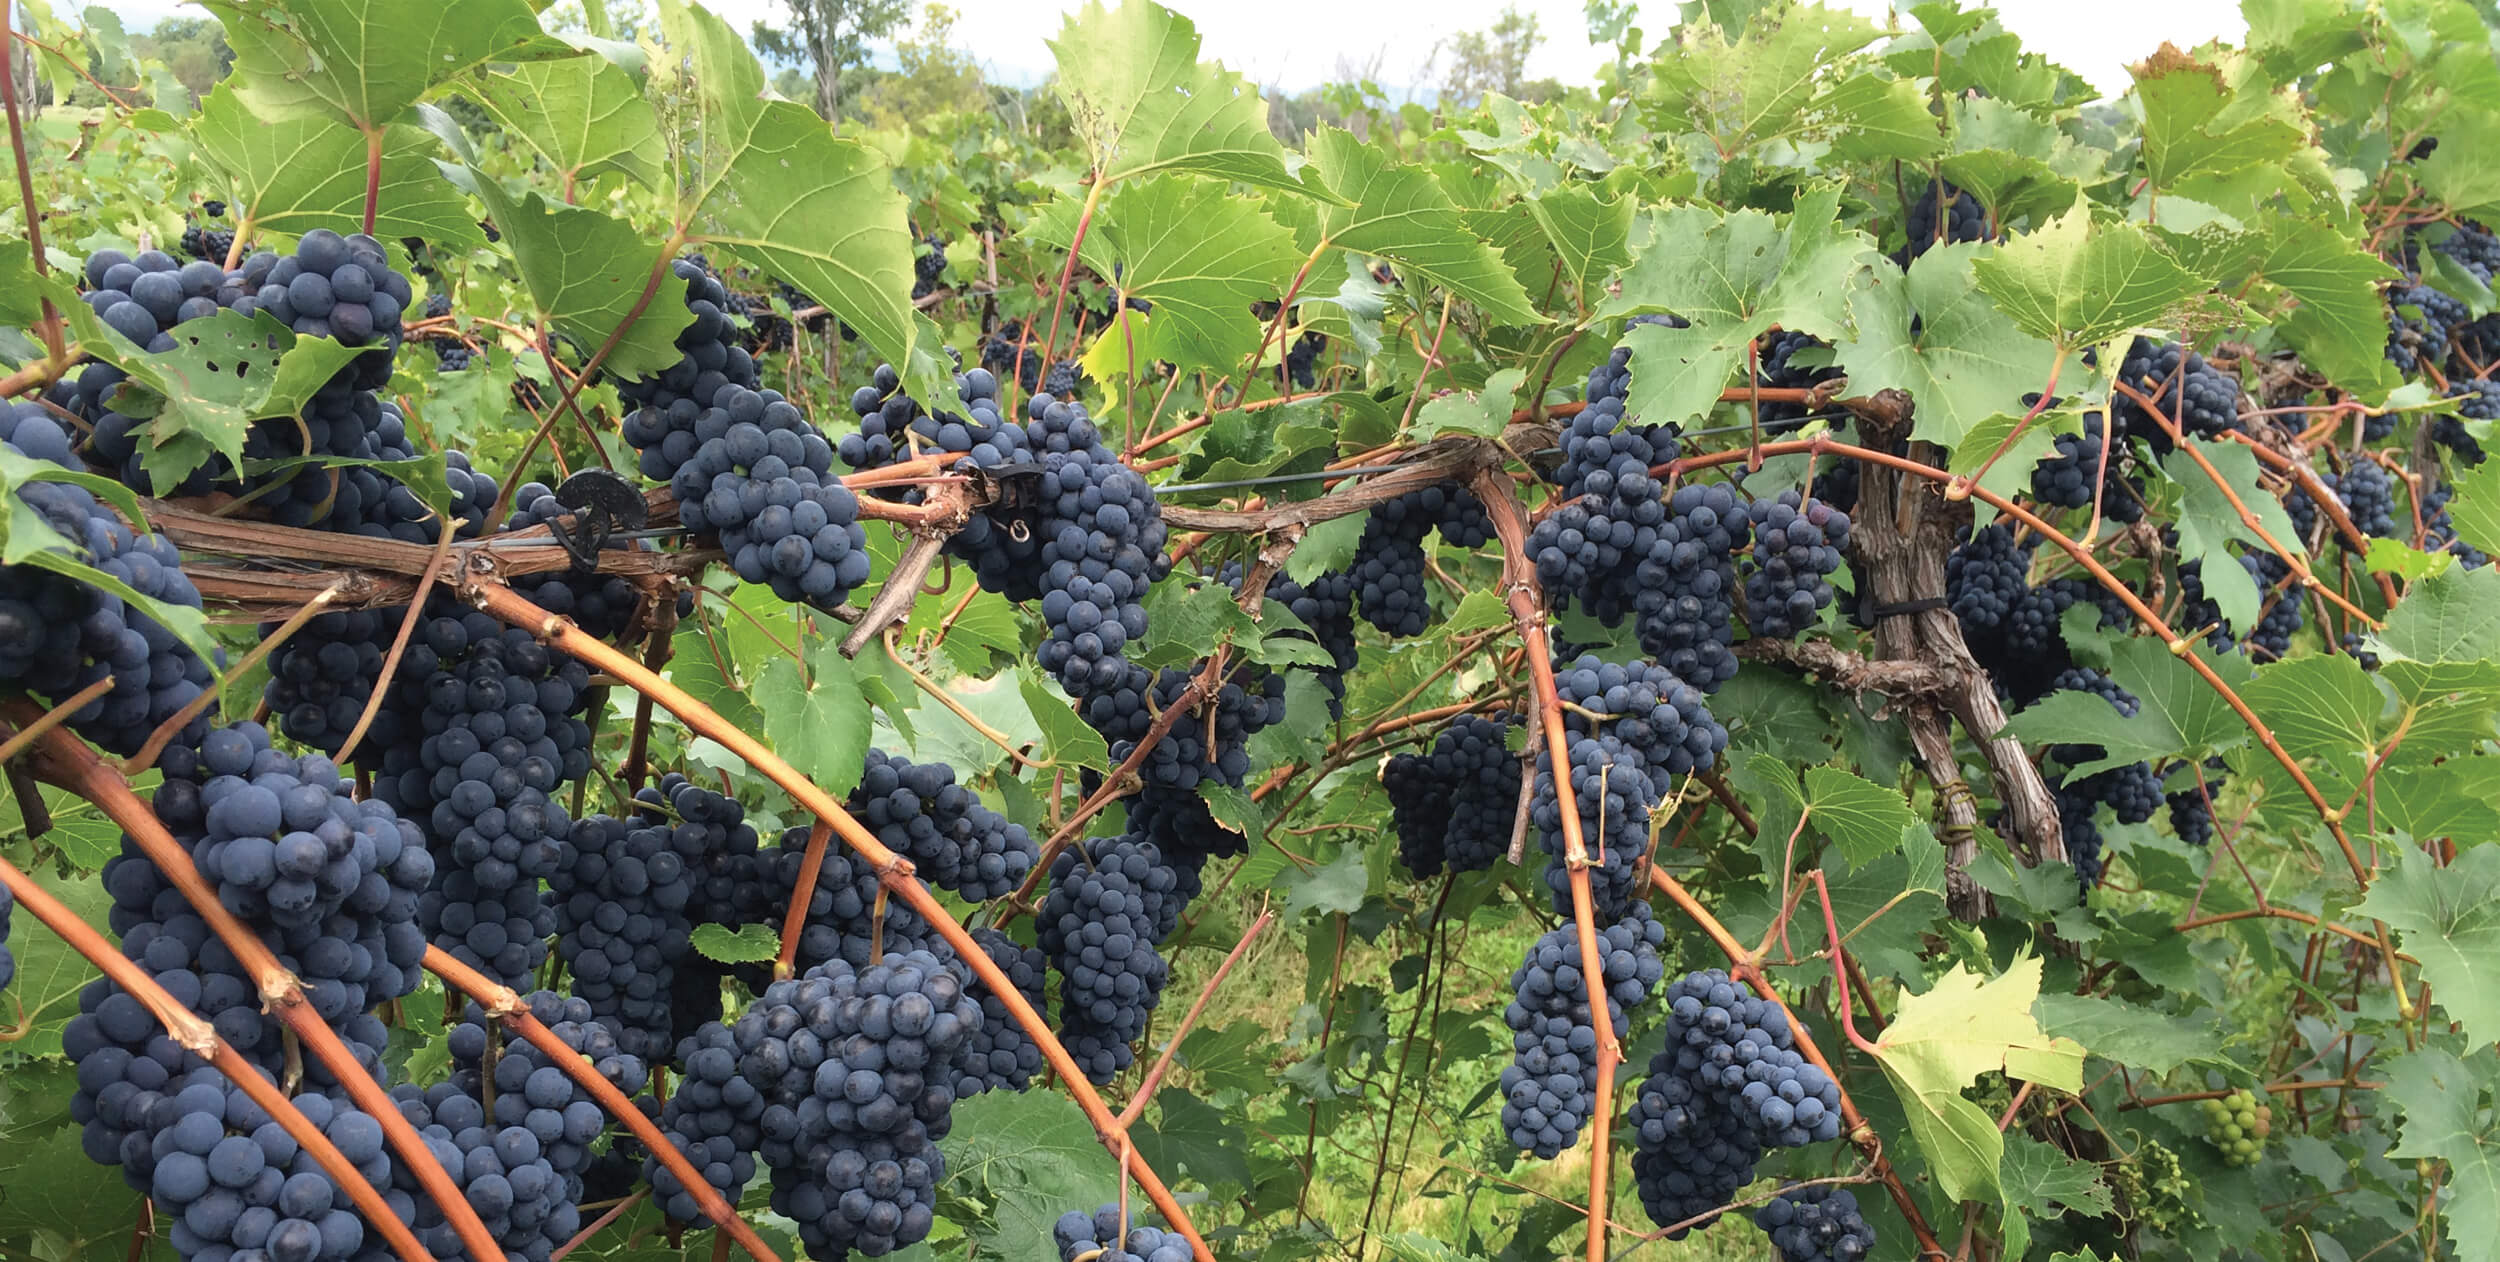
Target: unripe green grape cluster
2238, 1125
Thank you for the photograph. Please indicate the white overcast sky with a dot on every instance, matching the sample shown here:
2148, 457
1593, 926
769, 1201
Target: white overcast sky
1297, 44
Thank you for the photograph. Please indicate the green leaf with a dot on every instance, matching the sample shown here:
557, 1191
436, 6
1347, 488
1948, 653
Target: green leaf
53, 1188
1401, 212
819, 726
2132, 1035
1066, 739
1874, 118
1485, 413
2448, 918
1742, 89
2195, 124
1031, 1155
1589, 233
2078, 282
1865, 820
771, 183
20, 300
694, 668
1336, 888
2442, 638
2441, 1101
1732, 278
2044, 1182
50, 973
1940, 338
746, 944
585, 272
2180, 713
1142, 102
1295, 438
366, 61
584, 116
2337, 318
1197, 252
1941, 1041
1189, 1133
294, 176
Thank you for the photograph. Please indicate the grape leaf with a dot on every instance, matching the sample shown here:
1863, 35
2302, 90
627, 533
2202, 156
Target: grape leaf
746, 944
819, 725
2448, 918
2077, 282
584, 116
1402, 213
586, 271
1484, 413
1195, 251
292, 177
52, 1186
694, 668
2195, 124
1143, 103
1741, 89
50, 973
1032, 1156
1863, 819
1733, 277
2132, 1035
2441, 1102
767, 179
2329, 306
366, 61
2179, 714
1939, 1042
1066, 739
1589, 233
2442, 639
1875, 118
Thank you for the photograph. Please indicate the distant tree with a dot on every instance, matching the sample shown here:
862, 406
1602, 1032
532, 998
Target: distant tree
932, 76
193, 49
1491, 60
830, 37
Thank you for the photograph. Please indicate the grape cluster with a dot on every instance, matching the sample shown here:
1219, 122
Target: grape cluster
928, 264
2368, 493
1549, 1087
322, 677
1816, 1223
714, 1119
501, 1171
2192, 808
746, 466
1111, 902
1650, 730
2069, 478
2420, 320
1209, 745
2479, 400
1000, 1056
1728, 1084
1596, 435
2238, 1125
2132, 791
625, 906
487, 734
2439, 529
1389, 559
2281, 613
1797, 543
2202, 400
1942, 215
8, 963
708, 356
1097, 1238
1302, 359
226, 1178
2474, 248
895, 426
1453, 807
1778, 369
60, 636
1685, 610
954, 841
528, 1090
851, 1073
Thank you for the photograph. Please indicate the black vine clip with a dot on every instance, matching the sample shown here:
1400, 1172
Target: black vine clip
602, 504
1014, 497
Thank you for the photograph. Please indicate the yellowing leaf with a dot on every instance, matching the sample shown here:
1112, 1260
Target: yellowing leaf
1939, 1042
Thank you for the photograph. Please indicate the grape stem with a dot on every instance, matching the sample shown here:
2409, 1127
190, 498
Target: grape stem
1527, 609
56, 354
1840, 974
186, 1028
893, 871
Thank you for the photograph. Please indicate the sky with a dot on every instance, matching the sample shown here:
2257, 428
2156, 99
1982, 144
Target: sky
1297, 44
